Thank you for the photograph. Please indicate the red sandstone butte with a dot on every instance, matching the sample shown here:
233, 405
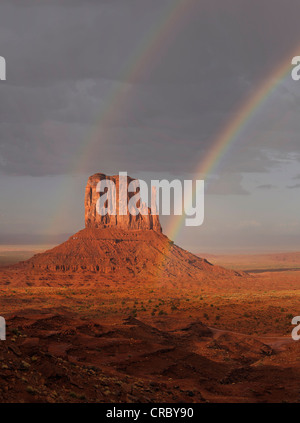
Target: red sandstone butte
124, 246
93, 219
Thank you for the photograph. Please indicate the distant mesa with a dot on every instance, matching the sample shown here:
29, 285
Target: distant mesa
124, 247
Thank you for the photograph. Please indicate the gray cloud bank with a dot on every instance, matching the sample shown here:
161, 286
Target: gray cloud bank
66, 59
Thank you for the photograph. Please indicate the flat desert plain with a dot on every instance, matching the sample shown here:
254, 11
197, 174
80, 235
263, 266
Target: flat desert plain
86, 337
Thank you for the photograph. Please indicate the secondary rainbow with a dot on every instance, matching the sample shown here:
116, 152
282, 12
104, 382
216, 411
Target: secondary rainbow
144, 57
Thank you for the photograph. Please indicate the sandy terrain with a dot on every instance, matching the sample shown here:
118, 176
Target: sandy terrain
87, 337
256, 263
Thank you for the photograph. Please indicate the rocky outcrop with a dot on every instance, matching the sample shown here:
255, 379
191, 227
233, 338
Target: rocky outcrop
124, 247
127, 254
114, 218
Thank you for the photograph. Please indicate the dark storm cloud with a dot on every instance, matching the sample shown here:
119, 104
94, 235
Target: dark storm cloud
266, 186
293, 186
66, 58
227, 184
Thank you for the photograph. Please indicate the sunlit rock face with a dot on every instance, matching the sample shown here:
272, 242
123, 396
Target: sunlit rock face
114, 218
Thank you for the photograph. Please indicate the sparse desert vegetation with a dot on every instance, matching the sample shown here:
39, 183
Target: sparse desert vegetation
83, 337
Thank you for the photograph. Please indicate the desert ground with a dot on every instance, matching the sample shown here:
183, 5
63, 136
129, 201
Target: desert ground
257, 263
85, 337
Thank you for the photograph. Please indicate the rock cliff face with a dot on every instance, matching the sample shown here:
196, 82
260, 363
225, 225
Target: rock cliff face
123, 247
93, 219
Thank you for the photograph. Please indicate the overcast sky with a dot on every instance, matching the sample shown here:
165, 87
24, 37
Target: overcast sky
87, 92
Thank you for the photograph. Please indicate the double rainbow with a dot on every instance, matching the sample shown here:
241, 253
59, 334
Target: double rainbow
148, 52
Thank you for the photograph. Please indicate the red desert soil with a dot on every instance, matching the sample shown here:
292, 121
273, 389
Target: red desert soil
91, 337
116, 315
257, 263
